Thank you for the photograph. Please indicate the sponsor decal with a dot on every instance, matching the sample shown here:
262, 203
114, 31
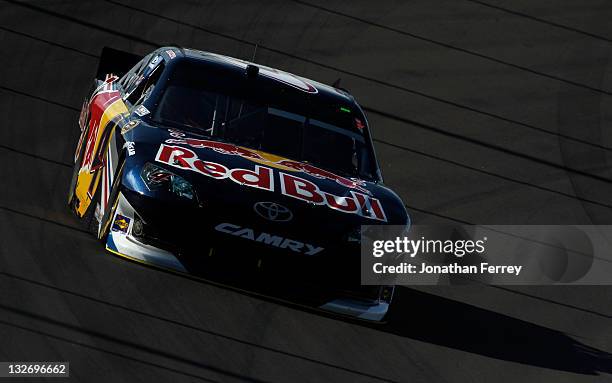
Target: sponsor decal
262, 177
171, 54
268, 239
110, 78
121, 224
129, 145
359, 124
273, 211
141, 110
176, 133
155, 61
129, 126
273, 161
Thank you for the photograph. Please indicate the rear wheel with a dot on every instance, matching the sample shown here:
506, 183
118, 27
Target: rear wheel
75, 176
90, 219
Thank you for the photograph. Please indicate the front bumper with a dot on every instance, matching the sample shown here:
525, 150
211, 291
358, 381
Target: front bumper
368, 303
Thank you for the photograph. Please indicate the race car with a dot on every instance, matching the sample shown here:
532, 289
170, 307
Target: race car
222, 168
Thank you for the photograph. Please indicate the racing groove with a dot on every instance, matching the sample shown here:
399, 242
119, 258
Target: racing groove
481, 115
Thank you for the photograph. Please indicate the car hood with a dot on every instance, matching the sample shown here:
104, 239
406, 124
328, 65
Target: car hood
254, 188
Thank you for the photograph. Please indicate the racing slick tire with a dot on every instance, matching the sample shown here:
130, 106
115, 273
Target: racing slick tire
75, 176
111, 206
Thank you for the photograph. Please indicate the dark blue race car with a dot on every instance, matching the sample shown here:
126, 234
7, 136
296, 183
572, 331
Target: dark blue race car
234, 171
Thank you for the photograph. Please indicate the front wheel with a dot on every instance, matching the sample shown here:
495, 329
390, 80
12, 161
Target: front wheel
111, 206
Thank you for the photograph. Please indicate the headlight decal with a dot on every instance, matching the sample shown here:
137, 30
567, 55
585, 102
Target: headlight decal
157, 178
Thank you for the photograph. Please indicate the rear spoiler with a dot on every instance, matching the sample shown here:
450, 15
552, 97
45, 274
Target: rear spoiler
116, 62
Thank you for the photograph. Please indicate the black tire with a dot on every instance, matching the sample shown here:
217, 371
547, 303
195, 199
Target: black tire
75, 175
89, 221
111, 206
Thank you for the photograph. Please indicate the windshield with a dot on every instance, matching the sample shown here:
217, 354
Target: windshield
331, 139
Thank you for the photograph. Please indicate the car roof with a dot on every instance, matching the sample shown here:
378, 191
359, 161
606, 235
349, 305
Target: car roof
311, 87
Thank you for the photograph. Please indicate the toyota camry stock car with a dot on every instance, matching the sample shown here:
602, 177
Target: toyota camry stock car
203, 163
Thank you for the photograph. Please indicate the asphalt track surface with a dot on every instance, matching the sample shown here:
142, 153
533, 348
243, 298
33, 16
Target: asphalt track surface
484, 112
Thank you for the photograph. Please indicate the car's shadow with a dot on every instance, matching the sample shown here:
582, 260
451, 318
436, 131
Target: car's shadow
434, 319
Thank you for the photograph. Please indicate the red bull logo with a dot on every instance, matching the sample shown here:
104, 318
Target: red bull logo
121, 224
262, 177
270, 160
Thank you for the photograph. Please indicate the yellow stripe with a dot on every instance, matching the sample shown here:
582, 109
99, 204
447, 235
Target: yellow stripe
155, 266
128, 257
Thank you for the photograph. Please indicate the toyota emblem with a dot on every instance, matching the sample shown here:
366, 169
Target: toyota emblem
273, 211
